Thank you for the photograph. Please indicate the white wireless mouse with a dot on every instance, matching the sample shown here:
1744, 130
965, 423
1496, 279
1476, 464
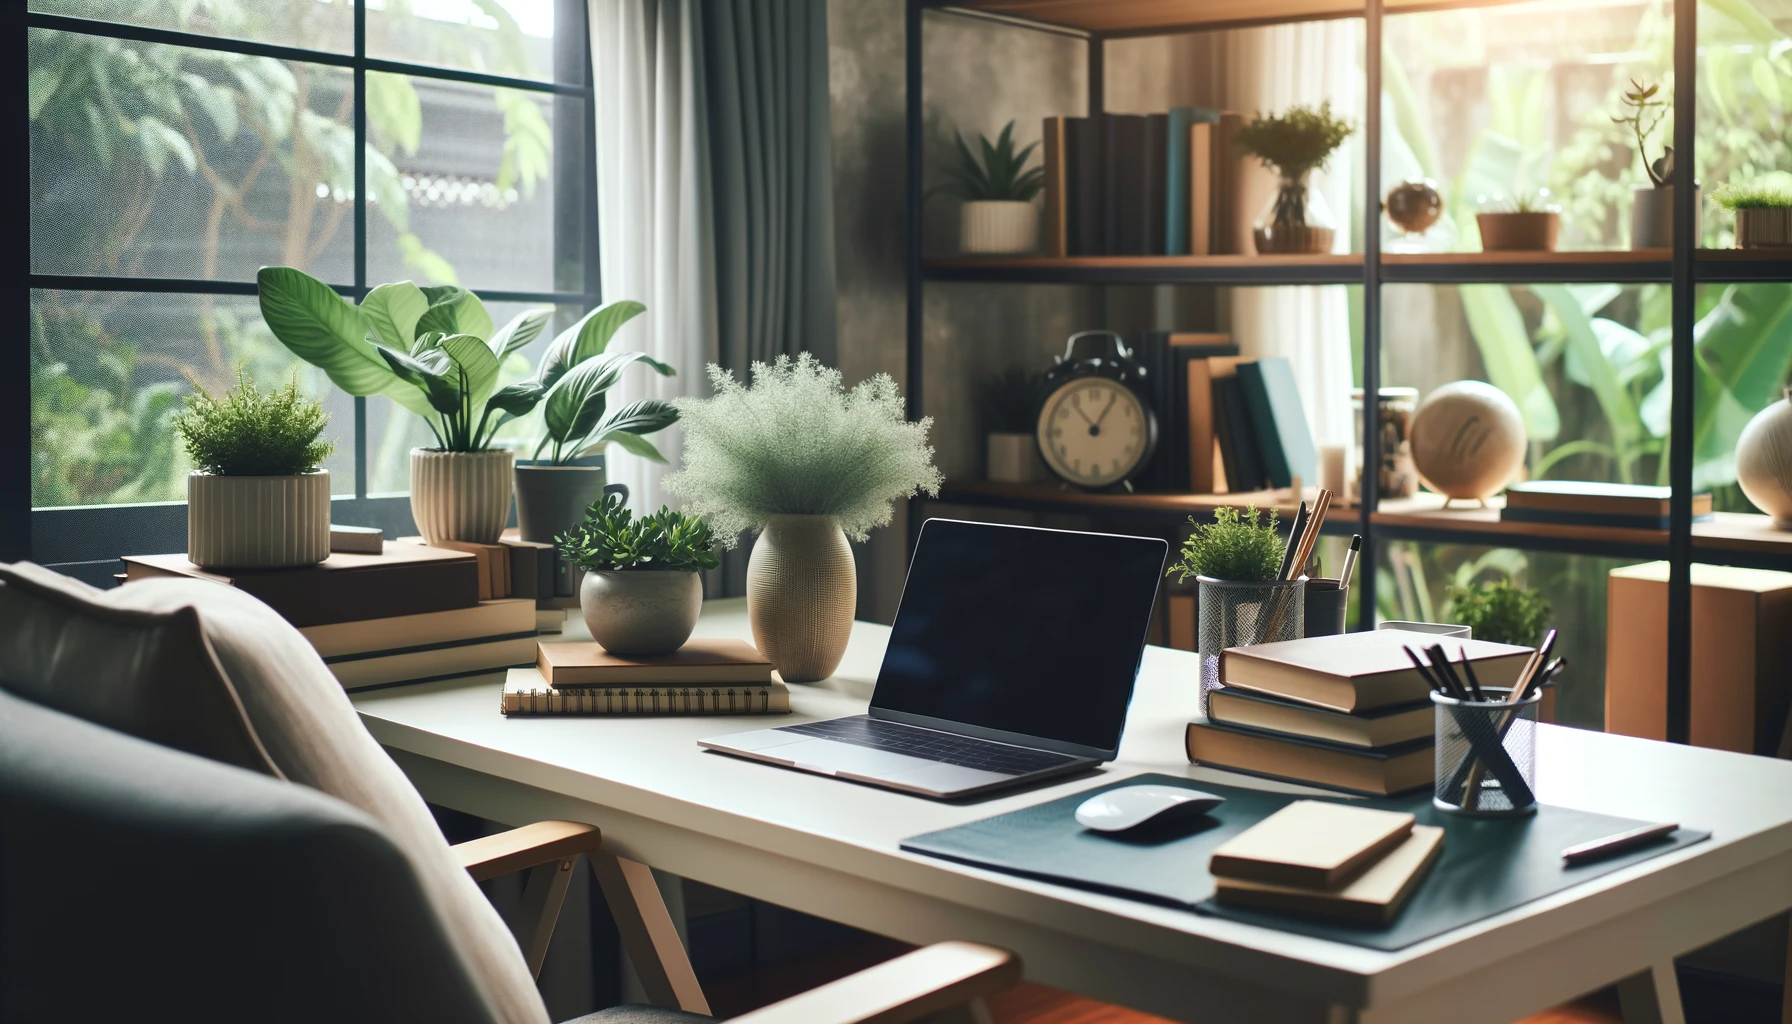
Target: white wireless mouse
1131, 806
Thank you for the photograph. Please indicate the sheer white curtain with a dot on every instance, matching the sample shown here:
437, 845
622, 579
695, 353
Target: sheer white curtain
653, 208
1269, 70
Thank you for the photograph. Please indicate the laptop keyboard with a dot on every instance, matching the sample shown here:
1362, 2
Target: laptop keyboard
963, 751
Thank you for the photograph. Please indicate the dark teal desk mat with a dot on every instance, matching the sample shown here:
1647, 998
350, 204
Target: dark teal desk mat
1488, 865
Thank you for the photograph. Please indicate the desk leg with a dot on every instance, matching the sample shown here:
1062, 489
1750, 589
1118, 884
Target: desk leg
1652, 997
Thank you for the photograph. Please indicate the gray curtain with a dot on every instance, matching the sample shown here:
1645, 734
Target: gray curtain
771, 174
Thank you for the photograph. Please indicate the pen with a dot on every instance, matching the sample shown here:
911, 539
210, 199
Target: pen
1356, 546
1447, 672
1295, 529
1425, 673
1612, 845
1468, 670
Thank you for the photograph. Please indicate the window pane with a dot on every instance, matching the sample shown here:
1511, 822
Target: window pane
108, 370
468, 196
508, 37
1743, 364
311, 24
164, 161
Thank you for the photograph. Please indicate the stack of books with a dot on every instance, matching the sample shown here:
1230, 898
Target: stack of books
1327, 860
1227, 423
1585, 503
704, 677
411, 613
1346, 712
514, 567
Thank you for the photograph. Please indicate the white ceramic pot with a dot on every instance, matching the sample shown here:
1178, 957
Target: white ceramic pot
461, 495
258, 522
999, 226
802, 589
1014, 458
641, 611
1764, 461
1764, 228
1652, 216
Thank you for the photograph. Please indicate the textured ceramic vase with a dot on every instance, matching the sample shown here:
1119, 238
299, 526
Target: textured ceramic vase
1764, 227
994, 226
1764, 461
1652, 216
801, 592
461, 495
1468, 440
258, 522
550, 499
640, 611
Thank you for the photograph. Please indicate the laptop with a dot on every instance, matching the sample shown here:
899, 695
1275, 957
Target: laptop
1012, 659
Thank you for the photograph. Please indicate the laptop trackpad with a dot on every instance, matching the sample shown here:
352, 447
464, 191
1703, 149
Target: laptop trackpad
939, 777
828, 756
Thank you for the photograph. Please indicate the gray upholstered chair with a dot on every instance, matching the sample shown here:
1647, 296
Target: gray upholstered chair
195, 826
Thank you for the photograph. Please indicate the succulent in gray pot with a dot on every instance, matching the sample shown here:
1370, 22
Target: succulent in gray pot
642, 590
257, 498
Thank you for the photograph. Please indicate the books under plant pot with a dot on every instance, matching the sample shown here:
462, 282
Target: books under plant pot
997, 187
1241, 599
806, 464
258, 498
1295, 143
642, 591
1763, 216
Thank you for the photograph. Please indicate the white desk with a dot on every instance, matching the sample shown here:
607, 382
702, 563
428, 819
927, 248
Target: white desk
829, 848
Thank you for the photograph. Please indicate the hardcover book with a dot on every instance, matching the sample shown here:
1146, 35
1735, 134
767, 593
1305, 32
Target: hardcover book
699, 661
471, 657
1312, 843
1382, 771
1125, 179
405, 579
1374, 897
1087, 188
488, 620
1280, 423
1382, 727
1354, 672
1054, 157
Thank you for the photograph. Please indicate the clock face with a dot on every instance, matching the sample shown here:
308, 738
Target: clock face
1094, 431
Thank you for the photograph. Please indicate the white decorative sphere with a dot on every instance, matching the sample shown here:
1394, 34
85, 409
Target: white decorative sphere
1468, 440
1764, 461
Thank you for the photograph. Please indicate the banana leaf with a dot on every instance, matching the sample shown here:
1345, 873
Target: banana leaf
1743, 349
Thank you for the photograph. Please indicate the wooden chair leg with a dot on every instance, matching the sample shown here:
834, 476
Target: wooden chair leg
648, 934
543, 896
1652, 997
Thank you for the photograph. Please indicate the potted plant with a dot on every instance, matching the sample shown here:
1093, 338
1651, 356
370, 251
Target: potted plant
641, 593
1527, 223
1010, 407
257, 498
805, 463
435, 352
1652, 206
1236, 561
998, 191
1295, 143
1500, 611
1763, 215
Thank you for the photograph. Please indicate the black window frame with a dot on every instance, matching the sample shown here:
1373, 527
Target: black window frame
86, 541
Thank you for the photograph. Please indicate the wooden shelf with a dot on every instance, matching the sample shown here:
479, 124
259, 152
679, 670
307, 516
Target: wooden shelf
1424, 517
1141, 270
1719, 265
1167, 508
1743, 539
1161, 17
1619, 266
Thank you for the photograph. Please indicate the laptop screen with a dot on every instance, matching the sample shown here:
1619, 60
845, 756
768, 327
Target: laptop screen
1020, 631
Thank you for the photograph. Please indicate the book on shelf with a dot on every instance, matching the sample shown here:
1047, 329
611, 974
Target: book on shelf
1374, 897
405, 579
531, 565
1085, 191
1313, 843
503, 619
526, 693
469, 657
700, 661
1585, 503
1201, 183
1168, 357
1247, 190
1181, 230
1124, 158
1278, 421
1154, 189
1354, 672
1377, 771
1054, 156
1238, 441
1381, 727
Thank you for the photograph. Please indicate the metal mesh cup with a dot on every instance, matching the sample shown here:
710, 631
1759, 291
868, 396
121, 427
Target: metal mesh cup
1235, 614
1486, 754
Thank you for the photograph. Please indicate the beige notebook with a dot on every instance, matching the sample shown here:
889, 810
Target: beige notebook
1310, 843
698, 661
1373, 897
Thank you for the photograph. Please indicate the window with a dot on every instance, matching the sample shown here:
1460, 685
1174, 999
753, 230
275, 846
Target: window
176, 147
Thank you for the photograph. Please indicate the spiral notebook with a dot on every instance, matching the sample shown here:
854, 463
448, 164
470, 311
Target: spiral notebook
527, 694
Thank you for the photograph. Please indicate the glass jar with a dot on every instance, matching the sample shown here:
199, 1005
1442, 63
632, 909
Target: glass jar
1392, 450
1296, 220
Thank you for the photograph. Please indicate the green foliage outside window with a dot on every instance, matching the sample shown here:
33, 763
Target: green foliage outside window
1501, 611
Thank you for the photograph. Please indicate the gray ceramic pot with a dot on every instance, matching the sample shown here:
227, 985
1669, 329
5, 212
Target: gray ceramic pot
550, 499
641, 611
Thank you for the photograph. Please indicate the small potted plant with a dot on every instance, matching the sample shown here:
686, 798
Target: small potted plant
1236, 561
1652, 206
805, 463
1500, 611
1526, 223
1295, 143
1763, 215
641, 593
998, 188
257, 498
1010, 408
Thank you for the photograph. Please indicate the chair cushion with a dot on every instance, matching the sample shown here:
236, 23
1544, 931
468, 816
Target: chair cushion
311, 733
638, 1013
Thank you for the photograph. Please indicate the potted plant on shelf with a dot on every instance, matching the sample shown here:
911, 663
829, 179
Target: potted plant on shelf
1652, 206
641, 593
998, 189
1763, 215
805, 463
257, 498
1295, 143
1236, 561
1010, 407
435, 352
1527, 223
1500, 611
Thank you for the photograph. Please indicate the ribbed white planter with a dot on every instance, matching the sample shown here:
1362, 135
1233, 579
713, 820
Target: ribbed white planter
461, 495
258, 522
1764, 228
999, 226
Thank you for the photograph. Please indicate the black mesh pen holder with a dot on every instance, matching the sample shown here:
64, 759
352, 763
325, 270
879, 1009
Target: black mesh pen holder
1486, 754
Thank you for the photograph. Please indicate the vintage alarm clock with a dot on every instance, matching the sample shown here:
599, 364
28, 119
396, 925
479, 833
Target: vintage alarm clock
1096, 430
